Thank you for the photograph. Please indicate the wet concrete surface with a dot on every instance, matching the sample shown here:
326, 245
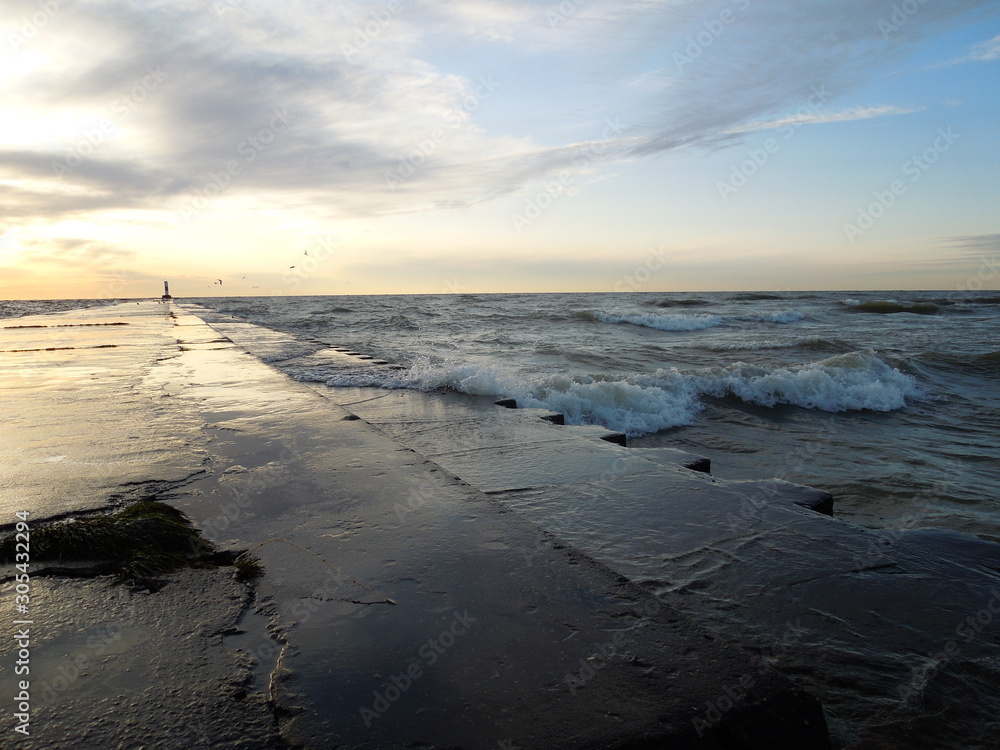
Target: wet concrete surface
401, 609
64, 438
112, 668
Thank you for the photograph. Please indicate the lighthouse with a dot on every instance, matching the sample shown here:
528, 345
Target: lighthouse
166, 292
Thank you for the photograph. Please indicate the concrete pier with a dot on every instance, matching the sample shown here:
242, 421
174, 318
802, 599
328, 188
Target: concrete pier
421, 596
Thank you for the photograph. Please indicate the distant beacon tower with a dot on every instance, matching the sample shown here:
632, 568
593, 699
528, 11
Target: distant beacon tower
166, 292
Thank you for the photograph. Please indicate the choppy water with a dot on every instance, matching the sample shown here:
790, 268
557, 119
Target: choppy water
888, 400
18, 308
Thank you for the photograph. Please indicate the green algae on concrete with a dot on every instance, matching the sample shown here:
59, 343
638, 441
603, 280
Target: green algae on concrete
142, 541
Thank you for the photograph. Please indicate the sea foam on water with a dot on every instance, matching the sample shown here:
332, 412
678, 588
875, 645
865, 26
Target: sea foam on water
640, 404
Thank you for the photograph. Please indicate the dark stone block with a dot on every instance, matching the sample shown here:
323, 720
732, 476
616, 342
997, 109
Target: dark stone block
699, 463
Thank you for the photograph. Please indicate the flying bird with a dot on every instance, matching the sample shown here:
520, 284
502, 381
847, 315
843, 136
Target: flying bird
219, 282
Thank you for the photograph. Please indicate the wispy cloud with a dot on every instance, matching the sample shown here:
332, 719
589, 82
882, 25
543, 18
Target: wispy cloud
972, 248
816, 118
981, 52
985, 51
768, 57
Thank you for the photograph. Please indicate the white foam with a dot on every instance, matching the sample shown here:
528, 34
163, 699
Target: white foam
621, 405
846, 382
640, 404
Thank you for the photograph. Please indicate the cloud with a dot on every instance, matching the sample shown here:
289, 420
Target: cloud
972, 248
186, 105
985, 51
982, 52
815, 118
76, 252
963, 254
741, 61
496, 20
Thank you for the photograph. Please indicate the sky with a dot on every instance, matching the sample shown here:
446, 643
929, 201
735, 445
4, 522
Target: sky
242, 147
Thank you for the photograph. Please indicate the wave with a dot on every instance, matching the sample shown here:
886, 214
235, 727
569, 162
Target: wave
754, 297
782, 316
888, 307
986, 364
329, 310
687, 322
398, 321
857, 381
695, 322
498, 338
693, 302
640, 404
814, 343
960, 301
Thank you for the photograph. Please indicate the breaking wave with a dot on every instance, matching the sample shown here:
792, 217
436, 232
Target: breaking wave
640, 404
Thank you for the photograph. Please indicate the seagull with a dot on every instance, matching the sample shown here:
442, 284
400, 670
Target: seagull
306, 252
219, 282
291, 266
